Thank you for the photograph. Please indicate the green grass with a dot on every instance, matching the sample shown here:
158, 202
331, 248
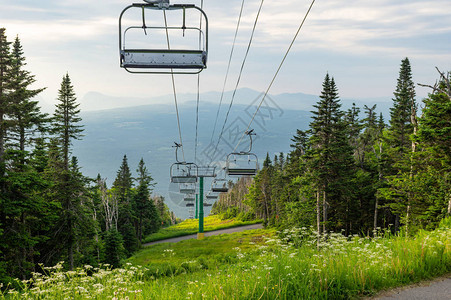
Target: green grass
191, 226
211, 251
243, 266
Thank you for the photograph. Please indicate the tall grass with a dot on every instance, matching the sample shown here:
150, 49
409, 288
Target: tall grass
290, 267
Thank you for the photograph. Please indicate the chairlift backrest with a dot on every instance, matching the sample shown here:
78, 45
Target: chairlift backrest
145, 47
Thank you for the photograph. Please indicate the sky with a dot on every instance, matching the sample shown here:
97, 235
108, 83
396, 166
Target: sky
360, 43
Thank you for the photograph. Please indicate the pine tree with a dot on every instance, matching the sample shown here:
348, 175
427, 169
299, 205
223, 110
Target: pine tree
66, 128
122, 189
26, 116
5, 100
330, 160
402, 116
123, 182
143, 206
65, 125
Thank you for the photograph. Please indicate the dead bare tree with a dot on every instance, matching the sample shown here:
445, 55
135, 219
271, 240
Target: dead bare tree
110, 203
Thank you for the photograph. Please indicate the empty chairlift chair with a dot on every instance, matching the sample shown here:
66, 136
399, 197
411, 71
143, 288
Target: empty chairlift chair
182, 172
242, 163
211, 197
189, 199
156, 37
187, 188
219, 186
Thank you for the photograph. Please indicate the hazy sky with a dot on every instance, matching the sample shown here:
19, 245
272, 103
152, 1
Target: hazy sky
359, 42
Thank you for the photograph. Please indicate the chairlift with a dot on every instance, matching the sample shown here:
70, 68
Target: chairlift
146, 48
211, 197
242, 163
219, 186
207, 204
189, 199
181, 171
189, 204
187, 188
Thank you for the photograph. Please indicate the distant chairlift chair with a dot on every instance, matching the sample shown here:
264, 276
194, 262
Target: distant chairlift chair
219, 186
181, 171
244, 162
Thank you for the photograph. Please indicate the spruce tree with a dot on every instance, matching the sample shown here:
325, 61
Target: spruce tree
122, 188
124, 181
398, 139
330, 159
66, 128
66, 119
26, 116
400, 114
145, 211
5, 100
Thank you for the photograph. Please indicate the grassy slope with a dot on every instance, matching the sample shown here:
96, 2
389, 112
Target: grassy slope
191, 226
212, 249
245, 266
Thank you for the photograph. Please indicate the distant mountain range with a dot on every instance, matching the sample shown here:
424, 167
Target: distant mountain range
149, 131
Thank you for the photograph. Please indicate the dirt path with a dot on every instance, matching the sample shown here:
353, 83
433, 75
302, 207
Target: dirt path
437, 289
209, 233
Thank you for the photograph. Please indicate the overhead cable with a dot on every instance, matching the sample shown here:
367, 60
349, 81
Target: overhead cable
239, 78
228, 68
277, 72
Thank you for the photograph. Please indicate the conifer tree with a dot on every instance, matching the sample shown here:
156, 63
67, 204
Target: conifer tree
122, 188
5, 100
66, 128
26, 115
123, 182
66, 119
330, 159
399, 142
144, 207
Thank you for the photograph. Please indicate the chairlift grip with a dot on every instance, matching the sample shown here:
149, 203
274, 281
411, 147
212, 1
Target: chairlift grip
144, 21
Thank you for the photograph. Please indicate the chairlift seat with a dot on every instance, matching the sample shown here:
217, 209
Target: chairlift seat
183, 179
207, 204
219, 189
187, 191
211, 197
158, 59
238, 171
189, 204
189, 199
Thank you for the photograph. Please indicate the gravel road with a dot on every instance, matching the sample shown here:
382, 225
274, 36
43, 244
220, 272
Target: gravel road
209, 233
437, 289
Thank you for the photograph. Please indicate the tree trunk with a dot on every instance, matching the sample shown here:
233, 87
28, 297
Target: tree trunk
380, 179
318, 216
413, 119
324, 212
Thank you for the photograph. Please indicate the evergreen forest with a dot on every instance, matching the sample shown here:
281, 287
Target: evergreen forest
353, 172
49, 211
